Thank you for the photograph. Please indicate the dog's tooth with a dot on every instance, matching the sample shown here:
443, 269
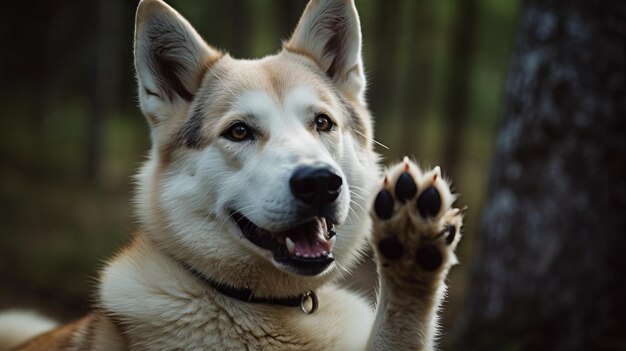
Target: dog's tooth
321, 235
291, 247
332, 242
298, 254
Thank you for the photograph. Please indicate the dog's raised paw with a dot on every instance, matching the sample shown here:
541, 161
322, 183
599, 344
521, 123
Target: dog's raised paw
415, 227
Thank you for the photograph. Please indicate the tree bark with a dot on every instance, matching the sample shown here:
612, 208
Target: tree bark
550, 271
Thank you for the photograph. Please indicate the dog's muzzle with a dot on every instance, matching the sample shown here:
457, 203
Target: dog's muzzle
304, 249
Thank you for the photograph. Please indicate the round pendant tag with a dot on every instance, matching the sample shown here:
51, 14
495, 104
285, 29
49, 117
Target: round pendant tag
309, 296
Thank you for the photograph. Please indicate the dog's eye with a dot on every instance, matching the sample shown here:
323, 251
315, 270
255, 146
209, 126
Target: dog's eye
323, 123
238, 132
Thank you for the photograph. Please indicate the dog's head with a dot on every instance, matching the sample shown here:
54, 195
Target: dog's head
256, 164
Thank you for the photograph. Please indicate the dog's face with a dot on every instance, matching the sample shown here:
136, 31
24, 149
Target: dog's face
256, 164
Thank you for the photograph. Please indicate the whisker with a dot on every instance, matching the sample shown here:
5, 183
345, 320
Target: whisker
372, 139
359, 188
357, 196
357, 204
223, 83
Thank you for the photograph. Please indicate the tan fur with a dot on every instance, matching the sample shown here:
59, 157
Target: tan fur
151, 295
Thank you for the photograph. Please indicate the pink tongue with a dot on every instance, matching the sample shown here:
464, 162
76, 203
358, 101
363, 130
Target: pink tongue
309, 240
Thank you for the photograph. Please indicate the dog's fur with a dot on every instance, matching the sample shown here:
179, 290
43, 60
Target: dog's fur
150, 294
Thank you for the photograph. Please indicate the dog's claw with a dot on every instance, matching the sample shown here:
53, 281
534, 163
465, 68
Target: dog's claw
451, 231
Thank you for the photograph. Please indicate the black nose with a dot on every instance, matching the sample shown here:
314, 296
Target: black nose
315, 186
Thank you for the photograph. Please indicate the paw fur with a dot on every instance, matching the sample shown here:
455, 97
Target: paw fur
415, 226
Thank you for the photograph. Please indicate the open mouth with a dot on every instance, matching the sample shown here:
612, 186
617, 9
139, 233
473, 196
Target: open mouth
305, 248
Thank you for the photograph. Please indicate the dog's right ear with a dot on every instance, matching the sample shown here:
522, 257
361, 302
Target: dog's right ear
170, 59
329, 31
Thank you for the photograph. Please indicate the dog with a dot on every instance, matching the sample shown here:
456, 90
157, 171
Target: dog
261, 189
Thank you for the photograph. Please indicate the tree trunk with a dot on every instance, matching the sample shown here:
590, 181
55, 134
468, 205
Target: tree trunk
550, 271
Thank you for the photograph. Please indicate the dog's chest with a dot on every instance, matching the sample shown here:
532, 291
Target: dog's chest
162, 308
203, 326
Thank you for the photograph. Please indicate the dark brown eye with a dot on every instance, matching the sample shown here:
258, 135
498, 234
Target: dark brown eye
238, 132
323, 123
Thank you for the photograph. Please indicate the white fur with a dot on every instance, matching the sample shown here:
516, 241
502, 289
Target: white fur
171, 309
18, 326
315, 30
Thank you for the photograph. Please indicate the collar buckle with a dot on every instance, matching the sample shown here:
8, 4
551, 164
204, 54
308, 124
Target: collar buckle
306, 297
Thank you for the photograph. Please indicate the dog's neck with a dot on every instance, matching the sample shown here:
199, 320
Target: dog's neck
307, 301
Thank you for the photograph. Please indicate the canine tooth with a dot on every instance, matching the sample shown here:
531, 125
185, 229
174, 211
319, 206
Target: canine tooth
291, 247
332, 242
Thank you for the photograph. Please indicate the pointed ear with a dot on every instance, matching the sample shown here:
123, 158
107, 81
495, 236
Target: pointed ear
329, 31
170, 58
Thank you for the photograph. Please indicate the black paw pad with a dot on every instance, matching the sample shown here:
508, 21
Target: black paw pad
428, 257
429, 202
451, 233
405, 187
391, 248
383, 205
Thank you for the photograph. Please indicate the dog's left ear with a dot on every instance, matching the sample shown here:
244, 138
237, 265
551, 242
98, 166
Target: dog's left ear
330, 33
170, 58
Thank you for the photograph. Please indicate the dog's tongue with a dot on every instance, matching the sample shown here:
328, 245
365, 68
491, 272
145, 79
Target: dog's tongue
309, 240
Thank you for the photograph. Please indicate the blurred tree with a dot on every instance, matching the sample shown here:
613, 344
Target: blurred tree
240, 28
455, 108
97, 89
381, 64
550, 274
417, 90
290, 11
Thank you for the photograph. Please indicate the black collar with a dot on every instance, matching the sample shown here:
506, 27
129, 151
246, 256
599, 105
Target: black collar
247, 295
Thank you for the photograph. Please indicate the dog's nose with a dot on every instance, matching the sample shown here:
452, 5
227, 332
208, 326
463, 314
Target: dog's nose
315, 185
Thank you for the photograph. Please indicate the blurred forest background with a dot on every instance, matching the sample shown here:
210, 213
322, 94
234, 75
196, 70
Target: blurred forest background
72, 135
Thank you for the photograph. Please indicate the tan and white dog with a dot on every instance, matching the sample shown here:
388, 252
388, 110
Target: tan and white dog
255, 199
